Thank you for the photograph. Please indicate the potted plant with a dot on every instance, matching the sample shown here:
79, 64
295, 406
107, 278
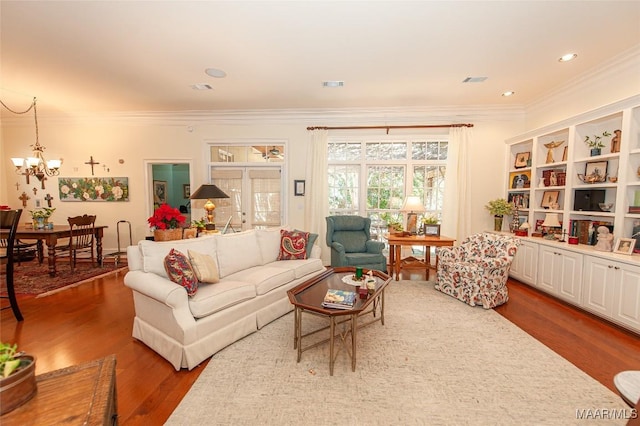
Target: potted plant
41, 216
596, 143
18, 382
167, 223
394, 225
498, 208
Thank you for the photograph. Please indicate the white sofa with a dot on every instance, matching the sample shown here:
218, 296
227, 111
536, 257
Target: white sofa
252, 292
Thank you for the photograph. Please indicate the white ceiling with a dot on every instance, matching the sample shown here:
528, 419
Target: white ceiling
144, 55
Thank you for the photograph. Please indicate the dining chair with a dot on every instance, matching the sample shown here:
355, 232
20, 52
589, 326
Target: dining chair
81, 239
9, 220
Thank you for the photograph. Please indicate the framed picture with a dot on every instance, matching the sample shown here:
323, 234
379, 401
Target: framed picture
520, 179
549, 198
596, 168
298, 188
186, 190
624, 245
521, 160
432, 229
159, 191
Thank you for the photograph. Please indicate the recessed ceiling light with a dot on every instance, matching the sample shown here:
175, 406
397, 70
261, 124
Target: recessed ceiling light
334, 83
214, 72
474, 79
508, 93
568, 57
201, 86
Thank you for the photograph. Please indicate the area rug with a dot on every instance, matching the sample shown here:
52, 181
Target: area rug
32, 278
436, 361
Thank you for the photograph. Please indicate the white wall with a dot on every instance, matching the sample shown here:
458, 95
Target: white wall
136, 140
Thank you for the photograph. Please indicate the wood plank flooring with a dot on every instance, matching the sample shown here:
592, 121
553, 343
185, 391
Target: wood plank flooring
95, 319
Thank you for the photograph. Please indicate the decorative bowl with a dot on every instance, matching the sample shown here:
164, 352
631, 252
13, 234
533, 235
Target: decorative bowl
605, 207
613, 179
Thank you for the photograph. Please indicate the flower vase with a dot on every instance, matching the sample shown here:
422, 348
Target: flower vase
497, 223
40, 223
167, 234
595, 151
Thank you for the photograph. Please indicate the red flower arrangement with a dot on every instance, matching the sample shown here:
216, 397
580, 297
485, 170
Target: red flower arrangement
166, 217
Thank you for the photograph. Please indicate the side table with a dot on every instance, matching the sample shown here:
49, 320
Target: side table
82, 394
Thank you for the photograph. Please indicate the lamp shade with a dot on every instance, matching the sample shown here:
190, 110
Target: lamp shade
551, 220
207, 191
412, 204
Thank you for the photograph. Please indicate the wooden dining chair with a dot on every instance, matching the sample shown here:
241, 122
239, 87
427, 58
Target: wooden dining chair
81, 239
9, 220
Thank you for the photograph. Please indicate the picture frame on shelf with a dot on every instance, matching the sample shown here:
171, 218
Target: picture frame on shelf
624, 246
521, 160
520, 180
186, 190
598, 168
431, 229
549, 198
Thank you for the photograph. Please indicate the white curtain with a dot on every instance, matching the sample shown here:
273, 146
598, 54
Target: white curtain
456, 209
316, 206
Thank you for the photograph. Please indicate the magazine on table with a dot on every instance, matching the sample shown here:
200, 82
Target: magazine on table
339, 299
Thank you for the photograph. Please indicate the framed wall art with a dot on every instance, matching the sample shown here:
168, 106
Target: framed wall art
93, 189
298, 187
186, 190
159, 191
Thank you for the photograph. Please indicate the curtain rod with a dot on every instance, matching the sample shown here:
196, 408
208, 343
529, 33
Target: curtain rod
415, 126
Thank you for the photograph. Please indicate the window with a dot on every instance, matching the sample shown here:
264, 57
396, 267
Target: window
370, 177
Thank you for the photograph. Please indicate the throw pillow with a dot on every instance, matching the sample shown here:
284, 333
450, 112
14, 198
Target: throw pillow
204, 267
293, 245
310, 243
179, 271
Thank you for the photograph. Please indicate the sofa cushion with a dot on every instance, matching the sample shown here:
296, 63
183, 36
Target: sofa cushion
265, 278
179, 271
312, 240
237, 252
300, 267
212, 298
269, 242
293, 245
154, 252
204, 267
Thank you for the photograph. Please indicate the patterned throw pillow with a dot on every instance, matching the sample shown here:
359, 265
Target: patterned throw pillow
204, 267
293, 245
180, 271
310, 242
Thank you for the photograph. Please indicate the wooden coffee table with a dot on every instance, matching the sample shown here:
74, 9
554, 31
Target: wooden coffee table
308, 298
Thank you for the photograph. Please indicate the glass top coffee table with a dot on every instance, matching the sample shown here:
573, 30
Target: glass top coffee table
308, 298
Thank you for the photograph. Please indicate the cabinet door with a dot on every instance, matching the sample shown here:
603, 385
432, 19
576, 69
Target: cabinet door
525, 263
626, 308
560, 273
599, 286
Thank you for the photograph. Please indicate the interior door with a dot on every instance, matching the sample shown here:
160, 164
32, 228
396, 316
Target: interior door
255, 197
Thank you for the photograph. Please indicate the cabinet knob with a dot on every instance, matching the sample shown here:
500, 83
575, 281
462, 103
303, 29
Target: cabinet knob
610, 266
616, 267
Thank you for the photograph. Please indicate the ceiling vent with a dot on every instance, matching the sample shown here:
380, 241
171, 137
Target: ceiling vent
333, 83
474, 79
201, 86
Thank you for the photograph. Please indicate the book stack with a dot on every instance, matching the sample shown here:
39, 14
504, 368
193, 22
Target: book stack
339, 299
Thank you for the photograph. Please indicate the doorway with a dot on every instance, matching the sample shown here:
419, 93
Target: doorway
169, 182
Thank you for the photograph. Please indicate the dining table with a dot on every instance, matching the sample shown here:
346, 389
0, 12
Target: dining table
50, 237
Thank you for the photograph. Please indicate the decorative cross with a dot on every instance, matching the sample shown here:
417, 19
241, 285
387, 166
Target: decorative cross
35, 190
92, 163
26, 173
24, 197
17, 186
42, 182
48, 198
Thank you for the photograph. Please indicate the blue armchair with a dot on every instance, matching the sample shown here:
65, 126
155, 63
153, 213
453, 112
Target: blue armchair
349, 238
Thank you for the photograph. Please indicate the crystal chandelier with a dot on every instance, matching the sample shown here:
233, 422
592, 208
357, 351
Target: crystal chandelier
35, 165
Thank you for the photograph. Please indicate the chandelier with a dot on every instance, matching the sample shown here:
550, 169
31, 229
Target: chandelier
35, 165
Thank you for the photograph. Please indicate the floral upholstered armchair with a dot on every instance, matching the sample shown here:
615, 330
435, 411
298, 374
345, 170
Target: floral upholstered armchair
476, 271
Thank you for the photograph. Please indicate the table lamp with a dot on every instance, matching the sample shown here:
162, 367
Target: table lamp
412, 205
207, 192
551, 221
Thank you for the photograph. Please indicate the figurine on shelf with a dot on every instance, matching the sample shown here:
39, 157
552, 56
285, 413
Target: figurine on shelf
605, 239
615, 141
550, 147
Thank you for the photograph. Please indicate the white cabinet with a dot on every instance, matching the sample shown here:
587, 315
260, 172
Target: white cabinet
525, 263
560, 273
612, 290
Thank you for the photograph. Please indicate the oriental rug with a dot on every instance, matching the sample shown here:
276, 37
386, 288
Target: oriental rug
436, 361
32, 278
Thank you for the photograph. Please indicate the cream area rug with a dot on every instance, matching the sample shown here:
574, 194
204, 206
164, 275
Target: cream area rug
436, 361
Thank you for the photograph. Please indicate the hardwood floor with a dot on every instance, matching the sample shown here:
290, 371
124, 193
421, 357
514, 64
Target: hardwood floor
95, 319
